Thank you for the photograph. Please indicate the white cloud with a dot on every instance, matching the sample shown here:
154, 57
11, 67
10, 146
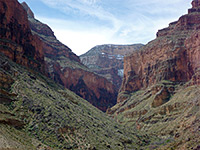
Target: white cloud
117, 22
90, 2
81, 41
77, 37
85, 7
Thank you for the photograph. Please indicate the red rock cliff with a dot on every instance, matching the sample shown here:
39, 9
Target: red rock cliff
16, 39
65, 68
174, 55
97, 90
108, 60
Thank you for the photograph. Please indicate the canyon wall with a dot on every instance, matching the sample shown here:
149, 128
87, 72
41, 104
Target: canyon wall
160, 94
173, 56
64, 67
16, 39
108, 60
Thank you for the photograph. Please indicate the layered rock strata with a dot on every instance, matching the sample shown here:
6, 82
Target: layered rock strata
64, 67
173, 55
160, 91
16, 39
108, 60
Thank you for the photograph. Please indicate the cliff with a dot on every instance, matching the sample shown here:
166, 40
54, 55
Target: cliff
16, 39
64, 67
108, 60
160, 111
36, 113
160, 91
171, 56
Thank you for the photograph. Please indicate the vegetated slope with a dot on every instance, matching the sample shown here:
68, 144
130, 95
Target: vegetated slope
108, 60
65, 68
36, 112
161, 86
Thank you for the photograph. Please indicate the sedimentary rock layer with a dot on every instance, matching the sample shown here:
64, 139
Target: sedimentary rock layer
16, 39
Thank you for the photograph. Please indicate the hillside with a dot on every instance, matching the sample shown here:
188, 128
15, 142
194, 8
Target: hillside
64, 67
36, 113
49, 100
161, 88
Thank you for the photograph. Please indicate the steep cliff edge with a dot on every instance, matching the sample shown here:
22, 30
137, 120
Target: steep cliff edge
171, 56
64, 67
38, 114
161, 86
16, 39
108, 60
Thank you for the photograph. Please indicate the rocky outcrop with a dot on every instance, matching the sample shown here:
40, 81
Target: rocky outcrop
193, 45
28, 10
161, 88
108, 60
162, 95
97, 90
195, 6
16, 39
153, 111
48, 116
51, 47
173, 56
65, 68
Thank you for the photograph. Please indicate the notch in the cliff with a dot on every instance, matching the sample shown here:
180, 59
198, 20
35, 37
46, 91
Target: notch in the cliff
195, 6
28, 10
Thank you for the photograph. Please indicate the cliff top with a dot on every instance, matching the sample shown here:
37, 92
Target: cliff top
195, 3
28, 10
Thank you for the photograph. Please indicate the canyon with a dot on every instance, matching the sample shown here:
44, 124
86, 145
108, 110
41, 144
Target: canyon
108, 61
50, 98
36, 46
35, 111
172, 56
160, 90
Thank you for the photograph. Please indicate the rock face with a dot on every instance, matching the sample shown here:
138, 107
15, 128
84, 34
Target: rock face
52, 47
28, 10
97, 90
64, 67
16, 39
47, 116
195, 5
174, 116
161, 87
108, 60
171, 56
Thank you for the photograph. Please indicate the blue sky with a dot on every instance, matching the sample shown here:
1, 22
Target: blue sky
83, 24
